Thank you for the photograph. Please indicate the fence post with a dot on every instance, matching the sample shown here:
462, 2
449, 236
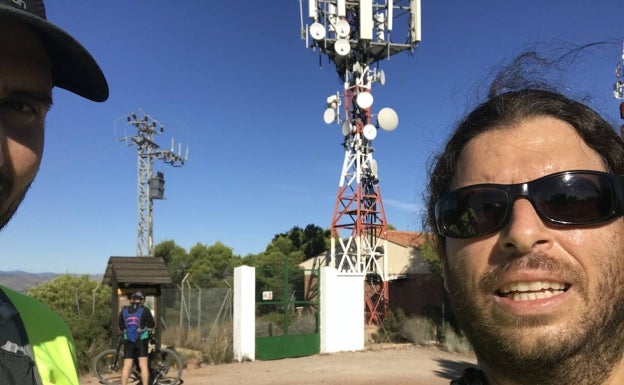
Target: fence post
199, 310
244, 313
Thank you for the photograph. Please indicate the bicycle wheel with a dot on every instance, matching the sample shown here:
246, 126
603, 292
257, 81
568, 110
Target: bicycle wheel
166, 366
107, 365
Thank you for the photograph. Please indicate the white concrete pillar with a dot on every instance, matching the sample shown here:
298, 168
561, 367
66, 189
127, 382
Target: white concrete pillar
342, 311
244, 313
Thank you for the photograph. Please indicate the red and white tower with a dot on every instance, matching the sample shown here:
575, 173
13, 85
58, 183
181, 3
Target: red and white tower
355, 36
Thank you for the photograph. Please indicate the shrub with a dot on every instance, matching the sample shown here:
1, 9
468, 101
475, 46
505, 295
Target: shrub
455, 342
303, 323
174, 336
390, 328
419, 330
218, 347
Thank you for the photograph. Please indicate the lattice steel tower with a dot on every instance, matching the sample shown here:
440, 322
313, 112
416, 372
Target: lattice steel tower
618, 87
150, 186
355, 36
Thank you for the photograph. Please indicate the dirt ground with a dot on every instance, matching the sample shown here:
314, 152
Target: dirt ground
390, 364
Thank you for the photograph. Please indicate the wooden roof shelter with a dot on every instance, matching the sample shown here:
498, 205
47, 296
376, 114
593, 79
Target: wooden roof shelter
129, 274
126, 275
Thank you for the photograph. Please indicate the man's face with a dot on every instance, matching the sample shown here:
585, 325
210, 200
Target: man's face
576, 273
25, 97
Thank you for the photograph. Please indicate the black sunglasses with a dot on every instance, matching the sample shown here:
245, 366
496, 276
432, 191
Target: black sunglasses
568, 198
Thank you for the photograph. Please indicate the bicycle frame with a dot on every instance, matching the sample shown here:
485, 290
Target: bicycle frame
164, 365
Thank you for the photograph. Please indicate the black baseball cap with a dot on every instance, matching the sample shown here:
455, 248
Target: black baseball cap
138, 295
73, 68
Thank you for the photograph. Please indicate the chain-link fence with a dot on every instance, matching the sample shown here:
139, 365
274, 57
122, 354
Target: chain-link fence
198, 320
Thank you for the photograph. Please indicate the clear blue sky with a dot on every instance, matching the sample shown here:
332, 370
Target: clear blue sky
234, 82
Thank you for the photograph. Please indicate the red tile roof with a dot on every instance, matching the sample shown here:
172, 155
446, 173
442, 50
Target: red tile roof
406, 238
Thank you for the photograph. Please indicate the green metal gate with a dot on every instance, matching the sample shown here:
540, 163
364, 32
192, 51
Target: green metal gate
287, 312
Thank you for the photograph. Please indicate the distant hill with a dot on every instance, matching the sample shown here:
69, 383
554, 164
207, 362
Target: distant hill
21, 281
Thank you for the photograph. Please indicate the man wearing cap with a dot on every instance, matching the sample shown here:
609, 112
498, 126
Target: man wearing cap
136, 345
36, 346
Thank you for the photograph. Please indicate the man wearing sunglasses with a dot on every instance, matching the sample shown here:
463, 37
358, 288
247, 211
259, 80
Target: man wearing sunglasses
36, 346
526, 203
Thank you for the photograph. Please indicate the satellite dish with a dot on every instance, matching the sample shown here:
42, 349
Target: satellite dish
364, 100
342, 28
346, 128
333, 101
329, 116
317, 31
342, 47
369, 131
387, 119
381, 77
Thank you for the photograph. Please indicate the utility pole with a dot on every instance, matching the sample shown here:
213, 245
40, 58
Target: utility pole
150, 186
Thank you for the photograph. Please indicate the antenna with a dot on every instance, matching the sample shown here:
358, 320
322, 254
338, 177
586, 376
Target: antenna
378, 28
415, 25
618, 87
390, 13
354, 35
150, 186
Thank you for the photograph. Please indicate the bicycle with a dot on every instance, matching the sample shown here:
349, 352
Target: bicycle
164, 364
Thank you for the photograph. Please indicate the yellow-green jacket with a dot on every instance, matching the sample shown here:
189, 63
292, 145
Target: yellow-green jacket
49, 338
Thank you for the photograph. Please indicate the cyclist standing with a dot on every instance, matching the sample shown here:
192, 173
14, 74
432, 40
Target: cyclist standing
134, 321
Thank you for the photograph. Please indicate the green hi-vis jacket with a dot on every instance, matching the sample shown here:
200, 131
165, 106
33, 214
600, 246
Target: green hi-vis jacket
48, 342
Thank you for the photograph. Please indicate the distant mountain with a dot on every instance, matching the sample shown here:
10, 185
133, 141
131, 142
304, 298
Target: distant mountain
21, 281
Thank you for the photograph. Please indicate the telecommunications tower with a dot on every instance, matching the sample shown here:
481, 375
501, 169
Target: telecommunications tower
356, 36
150, 186
618, 87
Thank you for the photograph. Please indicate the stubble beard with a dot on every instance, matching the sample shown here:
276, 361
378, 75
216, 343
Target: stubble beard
584, 352
7, 214
7, 208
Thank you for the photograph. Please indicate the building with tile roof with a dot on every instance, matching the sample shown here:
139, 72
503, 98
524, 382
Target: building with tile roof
412, 286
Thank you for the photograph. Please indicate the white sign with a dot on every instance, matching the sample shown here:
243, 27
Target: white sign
267, 295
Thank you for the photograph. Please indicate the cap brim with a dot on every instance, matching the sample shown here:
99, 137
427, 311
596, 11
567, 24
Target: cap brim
73, 67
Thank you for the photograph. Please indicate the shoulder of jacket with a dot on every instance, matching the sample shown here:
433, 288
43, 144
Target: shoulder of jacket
32, 310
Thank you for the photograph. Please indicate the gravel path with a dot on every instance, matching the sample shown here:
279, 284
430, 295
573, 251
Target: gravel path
394, 364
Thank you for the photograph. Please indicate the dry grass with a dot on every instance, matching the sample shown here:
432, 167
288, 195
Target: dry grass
419, 330
215, 345
455, 343
218, 347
